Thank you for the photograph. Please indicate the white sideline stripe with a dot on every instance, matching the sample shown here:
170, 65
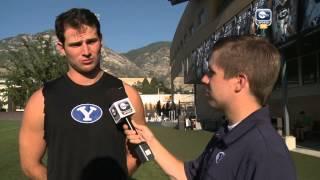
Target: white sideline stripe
307, 151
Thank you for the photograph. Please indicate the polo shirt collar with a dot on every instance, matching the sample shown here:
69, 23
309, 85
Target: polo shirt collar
260, 116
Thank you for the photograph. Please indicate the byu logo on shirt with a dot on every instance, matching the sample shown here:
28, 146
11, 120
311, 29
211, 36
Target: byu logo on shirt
86, 113
219, 157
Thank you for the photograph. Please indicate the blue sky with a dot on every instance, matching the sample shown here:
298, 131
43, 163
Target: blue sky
125, 24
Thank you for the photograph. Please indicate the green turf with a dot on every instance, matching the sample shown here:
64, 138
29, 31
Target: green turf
185, 145
307, 166
9, 156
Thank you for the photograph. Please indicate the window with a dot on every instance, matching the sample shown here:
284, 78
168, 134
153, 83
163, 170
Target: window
292, 73
318, 67
202, 17
309, 69
224, 4
191, 29
186, 67
185, 37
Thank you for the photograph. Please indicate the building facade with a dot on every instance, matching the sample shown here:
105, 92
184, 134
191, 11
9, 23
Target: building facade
295, 30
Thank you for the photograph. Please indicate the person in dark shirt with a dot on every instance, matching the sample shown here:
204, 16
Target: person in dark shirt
241, 75
303, 124
69, 119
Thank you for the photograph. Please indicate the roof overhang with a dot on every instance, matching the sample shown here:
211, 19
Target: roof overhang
174, 2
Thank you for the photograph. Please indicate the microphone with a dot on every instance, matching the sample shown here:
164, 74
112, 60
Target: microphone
122, 110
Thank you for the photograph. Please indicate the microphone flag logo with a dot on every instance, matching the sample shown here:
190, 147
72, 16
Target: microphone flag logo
121, 109
125, 107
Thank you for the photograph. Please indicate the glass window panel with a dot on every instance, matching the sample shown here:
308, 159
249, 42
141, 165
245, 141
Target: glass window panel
309, 69
318, 69
292, 73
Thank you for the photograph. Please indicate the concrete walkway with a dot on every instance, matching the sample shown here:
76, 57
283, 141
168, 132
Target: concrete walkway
310, 152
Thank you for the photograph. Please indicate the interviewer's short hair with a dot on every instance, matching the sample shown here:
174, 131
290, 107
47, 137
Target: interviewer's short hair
253, 56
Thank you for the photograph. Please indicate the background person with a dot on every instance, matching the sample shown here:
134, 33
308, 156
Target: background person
187, 124
303, 125
69, 119
242, 73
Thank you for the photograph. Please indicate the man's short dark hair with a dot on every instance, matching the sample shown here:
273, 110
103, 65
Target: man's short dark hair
76, 18
253, 56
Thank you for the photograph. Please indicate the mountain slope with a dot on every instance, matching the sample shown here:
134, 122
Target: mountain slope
111, 61
153, 47
118, 65
149, 61
153, 59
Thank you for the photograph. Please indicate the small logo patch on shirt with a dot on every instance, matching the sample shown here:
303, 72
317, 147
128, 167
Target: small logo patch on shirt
86, 113
219, 157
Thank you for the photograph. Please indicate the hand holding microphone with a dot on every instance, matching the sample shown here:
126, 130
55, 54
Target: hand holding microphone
144, 134
121, 111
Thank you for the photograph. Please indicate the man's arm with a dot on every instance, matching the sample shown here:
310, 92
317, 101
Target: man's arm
31, 138
172, 166
138, 117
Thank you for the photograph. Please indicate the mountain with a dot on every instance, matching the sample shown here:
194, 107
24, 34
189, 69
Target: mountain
153, 59
112, 62
119, 65
17, 43
149, 61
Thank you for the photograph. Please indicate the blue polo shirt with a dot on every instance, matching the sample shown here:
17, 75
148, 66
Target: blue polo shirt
251, 150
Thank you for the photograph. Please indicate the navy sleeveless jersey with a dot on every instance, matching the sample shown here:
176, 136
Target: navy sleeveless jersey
83, 142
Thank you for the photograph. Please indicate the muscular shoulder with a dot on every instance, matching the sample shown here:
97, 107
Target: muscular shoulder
36, 100
131, 92
135, 99
33, 115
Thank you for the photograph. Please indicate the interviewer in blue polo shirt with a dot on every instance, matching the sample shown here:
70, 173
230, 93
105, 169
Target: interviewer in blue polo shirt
241, 75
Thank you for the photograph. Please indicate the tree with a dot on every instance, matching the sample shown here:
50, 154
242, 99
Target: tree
151, 88
138, 86
163, 88
30, 66
146, 88
154, 85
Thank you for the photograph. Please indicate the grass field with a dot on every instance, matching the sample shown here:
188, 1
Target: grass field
185, 145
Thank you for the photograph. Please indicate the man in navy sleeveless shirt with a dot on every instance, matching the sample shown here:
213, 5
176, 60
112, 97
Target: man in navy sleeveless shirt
68, 118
